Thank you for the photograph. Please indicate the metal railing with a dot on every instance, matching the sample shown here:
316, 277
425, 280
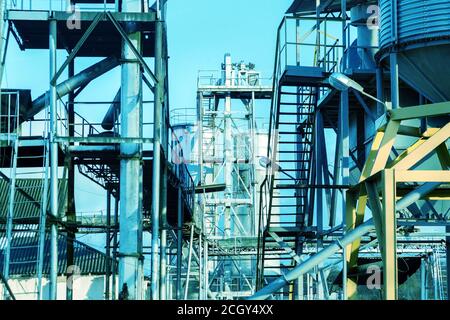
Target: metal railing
64, 5
315, 46
179, 168
246, 78
9, 113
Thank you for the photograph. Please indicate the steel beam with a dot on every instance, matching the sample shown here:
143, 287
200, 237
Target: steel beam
415, 112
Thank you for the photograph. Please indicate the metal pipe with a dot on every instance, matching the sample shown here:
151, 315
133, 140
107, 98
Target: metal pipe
53, 163
416, 194
115, 244
42, 225
205, 270
191, 244
423, 279
108, 244
79, 80
71, 210
395, 94
200, 268
113, 113
130, 244
179, 242
324, 254
228, 166
3, 39
157, 116
447, 257
313, 261
164, 178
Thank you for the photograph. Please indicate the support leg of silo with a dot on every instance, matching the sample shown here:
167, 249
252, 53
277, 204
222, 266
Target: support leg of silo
389, 236
395, 95
354, 214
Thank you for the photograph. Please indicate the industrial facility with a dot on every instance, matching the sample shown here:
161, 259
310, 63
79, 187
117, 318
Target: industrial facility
326, 178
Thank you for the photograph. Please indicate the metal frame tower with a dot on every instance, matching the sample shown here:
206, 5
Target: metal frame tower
227, 161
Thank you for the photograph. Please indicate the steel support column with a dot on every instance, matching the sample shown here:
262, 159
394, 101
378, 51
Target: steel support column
71, 210
389, 236
156, 179
130, 245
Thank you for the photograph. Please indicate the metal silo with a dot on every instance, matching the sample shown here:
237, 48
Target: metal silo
419, 31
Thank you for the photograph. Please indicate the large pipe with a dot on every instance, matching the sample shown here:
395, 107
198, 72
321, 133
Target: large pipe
313, 261
112, 114
348, 239
73, 83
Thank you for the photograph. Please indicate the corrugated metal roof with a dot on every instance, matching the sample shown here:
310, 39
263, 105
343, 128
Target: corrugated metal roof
24, 255
26, 208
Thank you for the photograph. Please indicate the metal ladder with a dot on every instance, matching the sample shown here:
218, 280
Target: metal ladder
27, 192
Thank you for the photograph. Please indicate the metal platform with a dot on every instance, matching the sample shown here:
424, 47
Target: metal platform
30, 148
309, 6
31, 30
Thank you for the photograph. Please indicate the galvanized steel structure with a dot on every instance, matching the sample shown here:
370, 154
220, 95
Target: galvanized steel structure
357, 156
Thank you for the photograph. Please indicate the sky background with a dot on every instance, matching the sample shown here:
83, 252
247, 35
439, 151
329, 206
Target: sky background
200, 32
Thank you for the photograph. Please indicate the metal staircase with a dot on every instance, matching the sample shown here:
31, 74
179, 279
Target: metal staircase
290, 215
287, 193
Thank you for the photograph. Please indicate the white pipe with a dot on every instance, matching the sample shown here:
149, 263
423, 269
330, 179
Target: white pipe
53, 164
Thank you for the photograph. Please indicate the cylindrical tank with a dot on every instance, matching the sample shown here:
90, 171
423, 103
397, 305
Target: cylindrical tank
367, 36
419, 31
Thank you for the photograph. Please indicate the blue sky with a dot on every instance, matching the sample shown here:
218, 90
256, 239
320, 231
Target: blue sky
202, 31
